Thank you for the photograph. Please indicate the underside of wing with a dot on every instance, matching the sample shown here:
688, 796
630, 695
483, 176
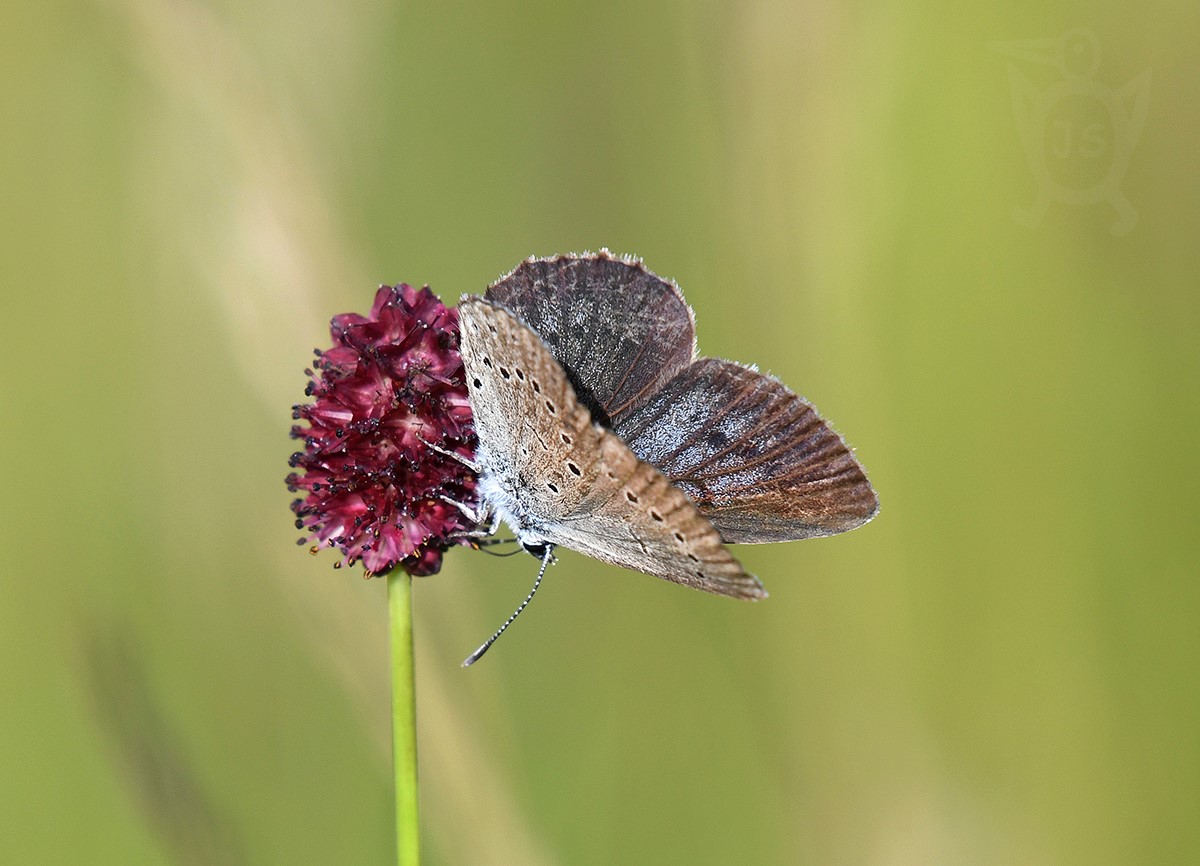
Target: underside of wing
639, 520
531, 428
619, 331
559, 477
756, 458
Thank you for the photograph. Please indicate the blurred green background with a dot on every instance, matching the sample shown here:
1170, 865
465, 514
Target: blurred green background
1001, 669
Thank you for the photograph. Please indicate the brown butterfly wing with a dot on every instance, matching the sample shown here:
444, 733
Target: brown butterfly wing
639, 520
526, 417
754, 456
557, 474
619, 331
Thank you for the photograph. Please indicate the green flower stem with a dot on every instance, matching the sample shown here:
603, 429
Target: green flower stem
404, 718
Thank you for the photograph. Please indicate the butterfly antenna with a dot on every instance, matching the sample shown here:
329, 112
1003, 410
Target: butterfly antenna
478, 654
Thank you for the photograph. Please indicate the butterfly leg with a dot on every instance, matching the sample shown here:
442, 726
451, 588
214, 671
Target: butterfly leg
481, 518
465, 461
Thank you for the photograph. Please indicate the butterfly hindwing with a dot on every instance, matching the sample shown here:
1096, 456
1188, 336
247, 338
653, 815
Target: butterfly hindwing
754, 456
642, 521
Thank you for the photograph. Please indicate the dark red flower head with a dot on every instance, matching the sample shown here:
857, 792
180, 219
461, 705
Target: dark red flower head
392, 382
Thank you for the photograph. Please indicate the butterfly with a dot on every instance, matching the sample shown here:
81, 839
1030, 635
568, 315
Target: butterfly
602, 431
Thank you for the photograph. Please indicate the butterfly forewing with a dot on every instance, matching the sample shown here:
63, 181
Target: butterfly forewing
618, 330
563, 479
756, 458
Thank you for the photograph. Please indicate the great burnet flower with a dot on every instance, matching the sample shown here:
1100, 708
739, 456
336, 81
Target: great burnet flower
391, 386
